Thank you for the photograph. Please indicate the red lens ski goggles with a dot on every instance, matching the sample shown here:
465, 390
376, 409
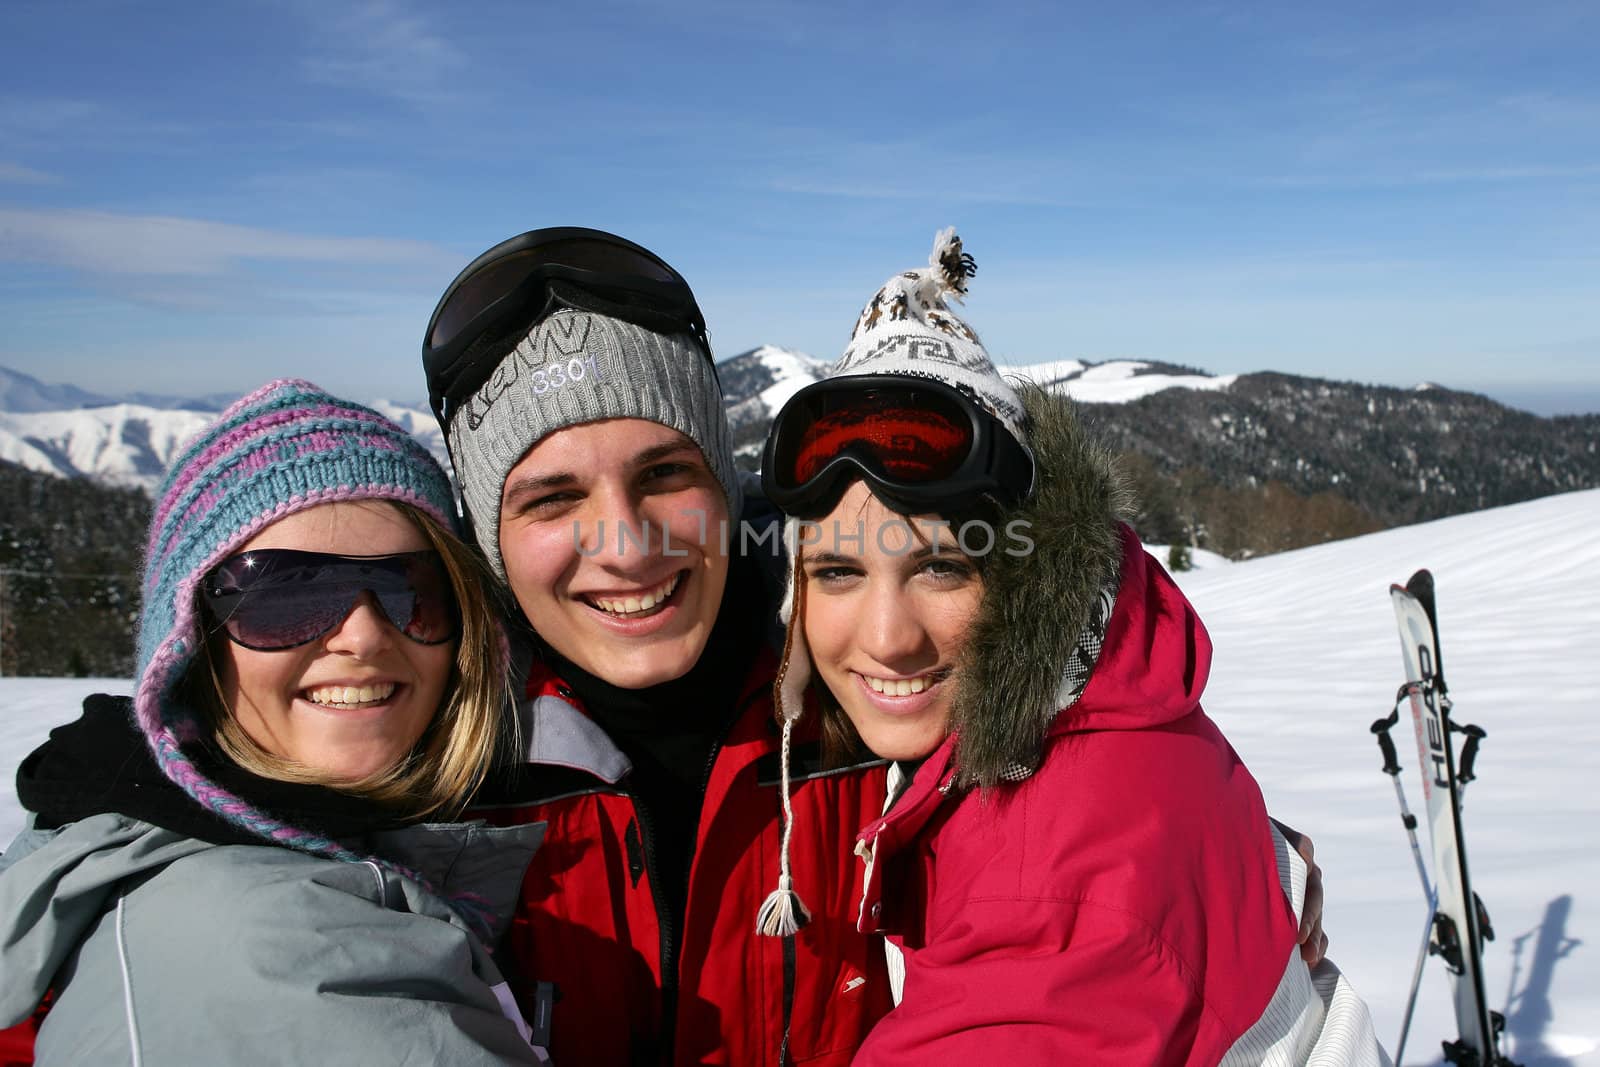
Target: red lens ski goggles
522, 281
924, 447
270, 599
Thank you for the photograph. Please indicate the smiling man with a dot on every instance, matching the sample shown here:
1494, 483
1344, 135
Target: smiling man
603, 534
571, 373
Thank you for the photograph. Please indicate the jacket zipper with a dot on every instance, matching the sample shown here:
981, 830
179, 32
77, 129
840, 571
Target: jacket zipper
669, 938
647, 831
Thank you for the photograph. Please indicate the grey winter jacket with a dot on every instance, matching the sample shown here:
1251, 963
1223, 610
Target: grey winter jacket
164, 949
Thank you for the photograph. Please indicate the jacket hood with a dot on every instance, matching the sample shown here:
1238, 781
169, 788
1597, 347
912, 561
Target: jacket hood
101, 763
1139, 655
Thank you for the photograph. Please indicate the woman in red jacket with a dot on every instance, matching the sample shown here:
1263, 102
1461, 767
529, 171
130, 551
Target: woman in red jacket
1073, 863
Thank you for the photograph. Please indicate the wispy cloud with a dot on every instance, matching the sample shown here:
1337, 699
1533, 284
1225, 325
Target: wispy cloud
819, 162
17, 174
52, 124
158, 245
1443, 176
383, 47
41, 115
891, 191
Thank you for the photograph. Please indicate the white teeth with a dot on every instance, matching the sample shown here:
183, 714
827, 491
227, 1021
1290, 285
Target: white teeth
899, 687
634, 605
347, 696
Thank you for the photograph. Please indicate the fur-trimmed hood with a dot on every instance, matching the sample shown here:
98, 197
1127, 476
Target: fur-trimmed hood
1084, 602
1081, 631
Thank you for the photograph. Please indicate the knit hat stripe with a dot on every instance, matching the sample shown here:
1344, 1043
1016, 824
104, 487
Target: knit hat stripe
277, 446
276, 395
193, 468
288, 448
197, 467
391, 491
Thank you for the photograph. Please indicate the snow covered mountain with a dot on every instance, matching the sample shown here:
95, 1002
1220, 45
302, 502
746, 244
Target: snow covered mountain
73, 433
1209, 445
120, 444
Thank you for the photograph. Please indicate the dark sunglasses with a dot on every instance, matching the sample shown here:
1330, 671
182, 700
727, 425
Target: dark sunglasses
270, 599
522, 281
924, 447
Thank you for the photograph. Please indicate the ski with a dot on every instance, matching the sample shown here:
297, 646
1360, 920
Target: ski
1459, 925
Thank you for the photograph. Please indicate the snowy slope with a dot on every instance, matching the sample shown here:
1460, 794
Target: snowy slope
1114, 382
1306, 658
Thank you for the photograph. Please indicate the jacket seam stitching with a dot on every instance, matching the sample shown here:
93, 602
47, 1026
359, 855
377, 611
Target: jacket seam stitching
127, 983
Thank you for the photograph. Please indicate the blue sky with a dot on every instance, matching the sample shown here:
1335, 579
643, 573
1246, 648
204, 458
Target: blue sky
196, 197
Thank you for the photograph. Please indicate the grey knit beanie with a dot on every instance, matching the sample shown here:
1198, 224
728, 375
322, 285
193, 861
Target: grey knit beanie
576, 367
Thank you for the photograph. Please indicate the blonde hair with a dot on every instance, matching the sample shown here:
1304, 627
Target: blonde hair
474, 726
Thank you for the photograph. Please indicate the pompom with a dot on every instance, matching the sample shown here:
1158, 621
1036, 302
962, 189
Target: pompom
951, 266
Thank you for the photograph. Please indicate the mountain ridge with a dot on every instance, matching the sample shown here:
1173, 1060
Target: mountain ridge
1240, 464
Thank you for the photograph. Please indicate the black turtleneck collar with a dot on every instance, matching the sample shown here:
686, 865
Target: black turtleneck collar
101, 763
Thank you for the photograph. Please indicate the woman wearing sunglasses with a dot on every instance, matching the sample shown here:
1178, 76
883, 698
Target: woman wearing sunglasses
251, 861
1073, 865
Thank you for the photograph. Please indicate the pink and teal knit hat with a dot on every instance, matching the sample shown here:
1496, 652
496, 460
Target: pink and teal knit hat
286, 447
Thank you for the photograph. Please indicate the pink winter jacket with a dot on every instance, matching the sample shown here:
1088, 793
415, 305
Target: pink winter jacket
1122, 905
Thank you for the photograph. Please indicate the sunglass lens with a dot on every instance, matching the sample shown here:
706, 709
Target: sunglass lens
276, 599
423, 608
286, 616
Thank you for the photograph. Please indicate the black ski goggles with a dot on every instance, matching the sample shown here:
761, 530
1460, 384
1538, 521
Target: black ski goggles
270, 599
520, 282
922, 445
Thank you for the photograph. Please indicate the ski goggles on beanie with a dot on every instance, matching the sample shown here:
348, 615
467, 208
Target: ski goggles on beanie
921, 444
522, 281
271, 599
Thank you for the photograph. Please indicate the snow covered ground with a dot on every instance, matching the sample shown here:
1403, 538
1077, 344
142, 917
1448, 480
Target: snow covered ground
1307, 658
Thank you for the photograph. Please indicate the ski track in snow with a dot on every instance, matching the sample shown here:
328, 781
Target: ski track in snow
1306, 658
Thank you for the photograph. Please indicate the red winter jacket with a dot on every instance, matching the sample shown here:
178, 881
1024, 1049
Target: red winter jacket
1121, 905
588, 920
